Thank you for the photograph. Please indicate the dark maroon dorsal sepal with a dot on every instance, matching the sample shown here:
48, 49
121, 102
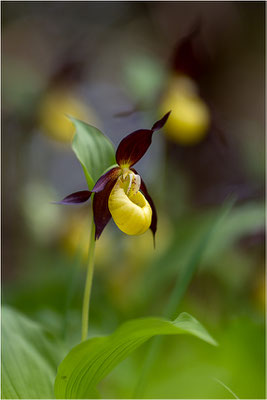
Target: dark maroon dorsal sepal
132, 148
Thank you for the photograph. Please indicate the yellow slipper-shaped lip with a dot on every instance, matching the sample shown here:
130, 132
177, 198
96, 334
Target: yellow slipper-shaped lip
131, 214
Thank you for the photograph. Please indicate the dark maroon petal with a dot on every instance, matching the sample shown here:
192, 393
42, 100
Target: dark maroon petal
100, 207
153, 225
76, 198
135, 145
104, 179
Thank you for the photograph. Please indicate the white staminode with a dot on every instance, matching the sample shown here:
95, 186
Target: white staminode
134, 184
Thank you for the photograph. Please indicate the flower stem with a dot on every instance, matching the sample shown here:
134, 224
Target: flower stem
88, 283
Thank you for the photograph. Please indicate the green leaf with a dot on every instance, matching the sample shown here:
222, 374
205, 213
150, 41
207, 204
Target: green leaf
93, 149
89, 362
30, 356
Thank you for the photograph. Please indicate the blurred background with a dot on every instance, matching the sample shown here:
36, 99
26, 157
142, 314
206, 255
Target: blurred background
120, 66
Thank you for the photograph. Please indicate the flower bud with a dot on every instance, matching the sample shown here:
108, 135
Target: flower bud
130, 210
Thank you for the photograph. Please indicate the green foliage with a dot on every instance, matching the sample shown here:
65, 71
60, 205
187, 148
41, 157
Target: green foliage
192, 370
226, 387
180, 290
30, 356
90, 361
93, 149
195, 258
194, 230
144, 78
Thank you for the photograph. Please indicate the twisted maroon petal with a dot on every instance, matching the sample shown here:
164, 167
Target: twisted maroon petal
100, 207
104, 179
153, 225
135, 145
154, 220
76, 198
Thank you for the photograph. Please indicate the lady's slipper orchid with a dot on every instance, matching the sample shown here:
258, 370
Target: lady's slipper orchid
120, 193
191, 116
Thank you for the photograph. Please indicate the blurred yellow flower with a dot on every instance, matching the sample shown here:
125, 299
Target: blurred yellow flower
189, 121
75, 239
56, 105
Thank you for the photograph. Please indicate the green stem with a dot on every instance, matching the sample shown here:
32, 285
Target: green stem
88, 284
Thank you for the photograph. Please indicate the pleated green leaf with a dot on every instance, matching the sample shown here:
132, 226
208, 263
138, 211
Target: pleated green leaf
93, 149
90, 361
30, 356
